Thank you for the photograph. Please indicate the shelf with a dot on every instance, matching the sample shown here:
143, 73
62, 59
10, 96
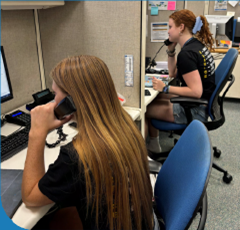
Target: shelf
29, 5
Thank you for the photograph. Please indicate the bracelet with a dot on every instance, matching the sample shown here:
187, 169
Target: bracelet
170, 52
166, 89
171, 55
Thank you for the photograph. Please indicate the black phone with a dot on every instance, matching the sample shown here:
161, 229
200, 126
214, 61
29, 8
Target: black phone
167, 42
64, 108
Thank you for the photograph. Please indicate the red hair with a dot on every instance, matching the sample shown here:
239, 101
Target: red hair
188, 18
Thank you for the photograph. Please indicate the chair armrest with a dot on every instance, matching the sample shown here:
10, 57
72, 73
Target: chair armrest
189, 101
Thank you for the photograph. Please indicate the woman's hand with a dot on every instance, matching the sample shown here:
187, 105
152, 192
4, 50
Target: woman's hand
157, 84
172, 46
43, 119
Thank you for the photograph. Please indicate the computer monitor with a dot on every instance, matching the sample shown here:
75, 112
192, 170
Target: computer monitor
237, 32
6, 87
221, 26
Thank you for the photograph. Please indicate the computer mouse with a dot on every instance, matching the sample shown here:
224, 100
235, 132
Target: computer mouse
147, 92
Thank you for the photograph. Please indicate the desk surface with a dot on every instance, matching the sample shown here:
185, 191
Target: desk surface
17, 162
223, 50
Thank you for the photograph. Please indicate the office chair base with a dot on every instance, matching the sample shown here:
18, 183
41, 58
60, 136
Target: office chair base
227, 178
216, 152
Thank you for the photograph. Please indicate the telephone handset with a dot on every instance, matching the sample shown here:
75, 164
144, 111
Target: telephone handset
167, 42
64, 108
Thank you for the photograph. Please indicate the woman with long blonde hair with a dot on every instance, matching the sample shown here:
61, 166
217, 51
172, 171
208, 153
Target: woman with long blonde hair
104, 170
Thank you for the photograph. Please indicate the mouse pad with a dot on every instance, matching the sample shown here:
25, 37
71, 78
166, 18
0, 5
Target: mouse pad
11, 182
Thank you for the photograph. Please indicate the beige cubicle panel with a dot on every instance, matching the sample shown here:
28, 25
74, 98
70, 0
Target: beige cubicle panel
18, 38
197, 7
106, 29
235, 9
153, 47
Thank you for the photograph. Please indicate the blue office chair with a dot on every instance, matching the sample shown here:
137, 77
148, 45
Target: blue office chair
180, 189
223, 75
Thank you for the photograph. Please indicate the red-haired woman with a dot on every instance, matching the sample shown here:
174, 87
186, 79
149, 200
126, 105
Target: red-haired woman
194, 67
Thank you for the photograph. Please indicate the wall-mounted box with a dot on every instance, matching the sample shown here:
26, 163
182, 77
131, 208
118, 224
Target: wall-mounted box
29, 5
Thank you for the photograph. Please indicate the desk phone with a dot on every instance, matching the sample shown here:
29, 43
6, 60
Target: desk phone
18, 117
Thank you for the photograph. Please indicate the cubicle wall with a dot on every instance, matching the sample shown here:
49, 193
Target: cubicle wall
18, 39
197, 7
153, 47
235, 9
108, 30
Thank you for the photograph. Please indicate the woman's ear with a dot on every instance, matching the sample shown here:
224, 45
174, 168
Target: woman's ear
182, 27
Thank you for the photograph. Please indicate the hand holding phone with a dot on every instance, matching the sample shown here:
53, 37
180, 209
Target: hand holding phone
65, 108
167, 42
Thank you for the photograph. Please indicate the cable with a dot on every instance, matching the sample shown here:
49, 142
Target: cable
153, 63
62, 137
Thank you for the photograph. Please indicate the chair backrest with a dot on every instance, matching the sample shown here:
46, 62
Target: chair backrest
222, 75
182, 180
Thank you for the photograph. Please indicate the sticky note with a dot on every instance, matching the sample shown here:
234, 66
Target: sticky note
171, 6
154, 10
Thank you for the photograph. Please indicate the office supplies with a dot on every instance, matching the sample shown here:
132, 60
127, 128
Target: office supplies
154, 10
14, 143
18, 117
40, 98
11, 182
64, 108
148, 79
147, 93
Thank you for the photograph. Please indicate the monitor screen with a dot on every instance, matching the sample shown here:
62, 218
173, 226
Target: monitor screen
237, 32
6, 88
221, 26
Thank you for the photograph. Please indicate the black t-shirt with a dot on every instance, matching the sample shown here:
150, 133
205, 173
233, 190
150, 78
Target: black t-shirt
65, 184
195, 56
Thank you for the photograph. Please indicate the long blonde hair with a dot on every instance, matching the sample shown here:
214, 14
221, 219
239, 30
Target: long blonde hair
188, 18
109, 144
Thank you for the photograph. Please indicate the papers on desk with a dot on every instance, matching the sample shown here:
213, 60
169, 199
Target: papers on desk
149, 77
161, 65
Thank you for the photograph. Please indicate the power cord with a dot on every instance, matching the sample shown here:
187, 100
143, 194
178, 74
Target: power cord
62, 137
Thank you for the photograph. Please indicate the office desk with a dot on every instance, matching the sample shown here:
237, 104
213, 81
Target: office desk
223, 51
27, 217
149, 99
234, 91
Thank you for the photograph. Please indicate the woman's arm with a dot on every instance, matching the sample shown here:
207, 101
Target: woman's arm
34, 170
172, 66
194, 86
42, 121
172, 62
193, 89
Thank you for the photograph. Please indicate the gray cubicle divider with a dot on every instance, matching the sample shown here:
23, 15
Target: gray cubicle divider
18, 37
108, 30
152, 47
235, 9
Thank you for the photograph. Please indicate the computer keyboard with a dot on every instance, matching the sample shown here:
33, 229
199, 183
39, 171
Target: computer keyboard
14, 143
